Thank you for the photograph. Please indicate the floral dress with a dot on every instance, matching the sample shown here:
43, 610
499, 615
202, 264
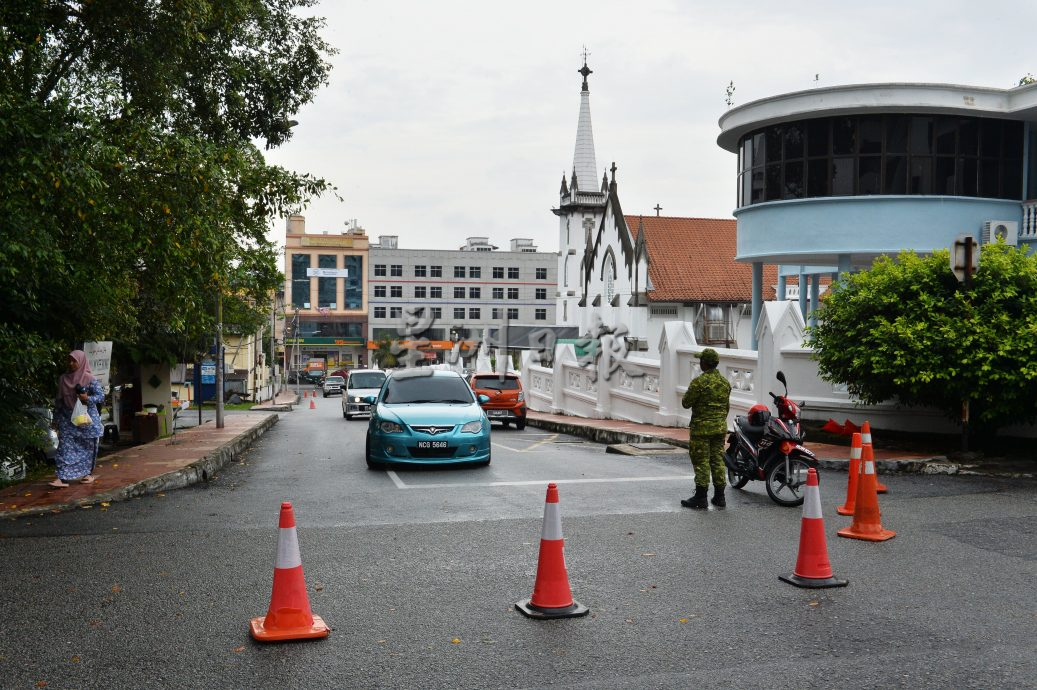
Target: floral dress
77, 445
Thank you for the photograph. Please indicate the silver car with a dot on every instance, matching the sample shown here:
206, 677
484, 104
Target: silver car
332, 385
360, 384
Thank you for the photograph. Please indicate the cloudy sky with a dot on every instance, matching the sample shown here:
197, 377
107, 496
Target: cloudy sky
457, 118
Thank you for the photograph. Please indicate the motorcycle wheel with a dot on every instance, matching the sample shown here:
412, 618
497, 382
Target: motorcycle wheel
735, 479
787, 490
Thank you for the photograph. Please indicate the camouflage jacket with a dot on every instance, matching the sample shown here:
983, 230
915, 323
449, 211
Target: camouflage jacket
708, 397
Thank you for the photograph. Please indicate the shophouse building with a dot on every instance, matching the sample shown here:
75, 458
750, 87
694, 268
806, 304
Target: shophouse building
326, 297
446, 296
831, 178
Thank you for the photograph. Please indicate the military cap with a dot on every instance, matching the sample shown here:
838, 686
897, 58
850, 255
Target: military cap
709, 357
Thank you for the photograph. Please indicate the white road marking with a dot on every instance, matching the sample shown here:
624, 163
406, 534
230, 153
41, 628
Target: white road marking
540, 482
396, 479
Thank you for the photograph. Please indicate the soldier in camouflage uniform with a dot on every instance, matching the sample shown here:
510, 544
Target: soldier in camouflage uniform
708, 397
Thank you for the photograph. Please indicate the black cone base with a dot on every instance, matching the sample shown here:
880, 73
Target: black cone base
813, 582
527, 609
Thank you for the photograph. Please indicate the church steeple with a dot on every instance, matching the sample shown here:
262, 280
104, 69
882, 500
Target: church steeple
585, 166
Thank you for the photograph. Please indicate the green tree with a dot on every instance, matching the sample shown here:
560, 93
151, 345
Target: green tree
133, 188
907, 330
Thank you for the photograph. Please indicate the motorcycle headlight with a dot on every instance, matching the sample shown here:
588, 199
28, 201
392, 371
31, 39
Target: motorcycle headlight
390, 428
472, 427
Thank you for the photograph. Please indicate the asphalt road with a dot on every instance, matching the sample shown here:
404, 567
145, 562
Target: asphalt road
417, 573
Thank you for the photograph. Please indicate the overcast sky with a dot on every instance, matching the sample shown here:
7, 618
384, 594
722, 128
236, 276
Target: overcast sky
450, 119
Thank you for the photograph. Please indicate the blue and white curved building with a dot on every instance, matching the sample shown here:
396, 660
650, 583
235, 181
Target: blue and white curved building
831, 178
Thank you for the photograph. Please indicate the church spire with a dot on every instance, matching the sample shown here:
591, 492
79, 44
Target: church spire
584, 165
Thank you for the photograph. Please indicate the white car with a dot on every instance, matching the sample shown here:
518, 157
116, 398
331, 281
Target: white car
359, 384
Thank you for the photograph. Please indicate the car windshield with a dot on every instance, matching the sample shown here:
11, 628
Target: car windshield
371, 380
334, 379
428, 389
495, 383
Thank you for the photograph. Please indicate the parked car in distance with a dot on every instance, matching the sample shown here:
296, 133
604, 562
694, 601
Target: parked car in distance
332, 386
506, 401
426, 417
360, 384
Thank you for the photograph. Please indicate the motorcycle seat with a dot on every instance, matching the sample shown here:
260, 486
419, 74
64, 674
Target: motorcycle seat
754, 432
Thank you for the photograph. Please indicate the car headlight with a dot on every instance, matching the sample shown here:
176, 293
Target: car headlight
521, 396
390, 428
356, 398
472, 427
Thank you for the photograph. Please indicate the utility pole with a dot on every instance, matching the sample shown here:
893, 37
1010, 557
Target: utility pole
273, 340
219, 360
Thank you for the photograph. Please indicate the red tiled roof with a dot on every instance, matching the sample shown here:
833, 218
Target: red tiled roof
692, 260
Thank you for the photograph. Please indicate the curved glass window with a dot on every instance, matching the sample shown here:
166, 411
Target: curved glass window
882, 154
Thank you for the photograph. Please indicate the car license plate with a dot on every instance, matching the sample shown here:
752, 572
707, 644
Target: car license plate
432, 444
496, 413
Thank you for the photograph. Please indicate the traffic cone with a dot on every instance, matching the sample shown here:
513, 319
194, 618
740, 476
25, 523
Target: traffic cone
867, 521
866, 440
855, 473
552, 597
313, 405
289, 616
812, 567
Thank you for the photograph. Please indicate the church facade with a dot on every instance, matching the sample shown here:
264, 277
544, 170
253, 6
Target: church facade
633, 273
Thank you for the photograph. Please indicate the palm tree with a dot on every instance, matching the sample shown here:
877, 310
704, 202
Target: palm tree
384, 355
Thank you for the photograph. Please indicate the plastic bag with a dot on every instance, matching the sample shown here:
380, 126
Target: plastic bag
80, 414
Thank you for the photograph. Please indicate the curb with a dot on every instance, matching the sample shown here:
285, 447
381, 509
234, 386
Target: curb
198, 471
933, 465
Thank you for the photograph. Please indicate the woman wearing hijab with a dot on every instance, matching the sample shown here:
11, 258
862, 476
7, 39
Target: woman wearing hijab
77, 446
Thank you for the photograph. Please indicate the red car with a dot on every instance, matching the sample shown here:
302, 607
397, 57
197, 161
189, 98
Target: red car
507, 402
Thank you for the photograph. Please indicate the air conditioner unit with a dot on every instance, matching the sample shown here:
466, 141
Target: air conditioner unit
1007, 230
716, 332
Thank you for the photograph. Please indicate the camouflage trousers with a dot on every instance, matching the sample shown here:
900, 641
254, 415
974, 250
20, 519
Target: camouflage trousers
707, 456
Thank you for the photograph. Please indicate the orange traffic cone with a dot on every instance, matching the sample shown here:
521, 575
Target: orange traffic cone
855, 473
552, 597
867, 521
812, 567
289, 616
313, 405
866, 440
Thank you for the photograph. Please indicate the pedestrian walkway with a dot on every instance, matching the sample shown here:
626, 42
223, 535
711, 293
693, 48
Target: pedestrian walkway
189, 457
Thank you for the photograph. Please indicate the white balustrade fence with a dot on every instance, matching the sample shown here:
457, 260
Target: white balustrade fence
649, 391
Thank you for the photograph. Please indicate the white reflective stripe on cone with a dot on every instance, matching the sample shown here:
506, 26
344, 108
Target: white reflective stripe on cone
866, 438
552, 522
812, 503
869, 467
855, 453
288, 549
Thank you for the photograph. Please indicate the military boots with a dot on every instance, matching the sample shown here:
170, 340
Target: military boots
698, 501
718, 497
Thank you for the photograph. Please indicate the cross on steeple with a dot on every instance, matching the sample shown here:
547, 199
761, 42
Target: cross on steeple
657, 209
585, 71
613, 169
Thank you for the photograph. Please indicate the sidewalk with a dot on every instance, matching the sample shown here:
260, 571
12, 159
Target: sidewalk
168, 463
835, 457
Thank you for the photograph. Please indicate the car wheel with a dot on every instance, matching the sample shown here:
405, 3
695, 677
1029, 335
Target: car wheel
345, 414
504, 425
371, 464
520, 424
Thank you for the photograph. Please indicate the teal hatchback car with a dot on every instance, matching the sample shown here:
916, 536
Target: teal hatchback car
426, 417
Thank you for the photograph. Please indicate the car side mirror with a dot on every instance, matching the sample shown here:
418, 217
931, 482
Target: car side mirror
483, 399
368, 399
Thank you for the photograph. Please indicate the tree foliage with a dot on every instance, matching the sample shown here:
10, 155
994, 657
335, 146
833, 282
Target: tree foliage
907, 330
133, 188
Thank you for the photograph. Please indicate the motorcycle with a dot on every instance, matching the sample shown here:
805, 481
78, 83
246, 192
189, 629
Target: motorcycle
770, 449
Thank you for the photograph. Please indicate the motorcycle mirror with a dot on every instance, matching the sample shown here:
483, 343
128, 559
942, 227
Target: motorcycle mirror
781, 377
